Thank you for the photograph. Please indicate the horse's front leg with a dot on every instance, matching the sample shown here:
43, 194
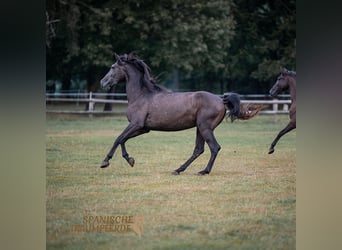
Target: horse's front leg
125, 155
290, 126
130, 131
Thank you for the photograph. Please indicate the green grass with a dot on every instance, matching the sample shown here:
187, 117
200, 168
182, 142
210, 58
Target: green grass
247, 202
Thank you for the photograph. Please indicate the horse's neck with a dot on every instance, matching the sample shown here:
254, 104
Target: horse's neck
133, 88
292, 87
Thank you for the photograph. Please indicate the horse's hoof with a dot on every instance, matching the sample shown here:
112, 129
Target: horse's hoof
131, 161
175, 172
203, 172
271, 151
105, 164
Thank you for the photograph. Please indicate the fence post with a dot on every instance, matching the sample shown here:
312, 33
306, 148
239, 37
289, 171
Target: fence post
91, 103
275, 106
78, 97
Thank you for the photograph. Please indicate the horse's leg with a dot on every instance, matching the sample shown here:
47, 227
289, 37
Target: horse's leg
287, 129
130, 131
199, 149
125, 155
208, 135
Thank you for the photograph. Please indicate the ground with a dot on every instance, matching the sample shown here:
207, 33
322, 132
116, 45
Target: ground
247, 202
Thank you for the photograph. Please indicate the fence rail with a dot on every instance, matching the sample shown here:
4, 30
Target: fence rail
69, 103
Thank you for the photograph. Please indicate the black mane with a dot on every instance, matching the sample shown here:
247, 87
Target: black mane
146, 80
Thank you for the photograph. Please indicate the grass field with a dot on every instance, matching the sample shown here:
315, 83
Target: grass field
247, 202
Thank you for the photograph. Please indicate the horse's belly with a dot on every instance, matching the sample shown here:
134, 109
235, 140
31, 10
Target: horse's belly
170, 121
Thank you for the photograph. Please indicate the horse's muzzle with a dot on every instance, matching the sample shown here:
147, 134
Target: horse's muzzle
273, 93
106, 85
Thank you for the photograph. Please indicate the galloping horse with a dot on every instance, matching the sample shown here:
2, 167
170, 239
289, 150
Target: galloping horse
153, 107
286, 80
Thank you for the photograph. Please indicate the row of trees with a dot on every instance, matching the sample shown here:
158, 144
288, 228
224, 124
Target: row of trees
216, 45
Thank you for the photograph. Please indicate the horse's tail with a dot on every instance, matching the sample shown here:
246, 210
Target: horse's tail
238, 110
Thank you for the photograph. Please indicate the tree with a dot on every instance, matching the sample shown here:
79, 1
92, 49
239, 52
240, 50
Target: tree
210, 45
188, 36
81, 44
265, 40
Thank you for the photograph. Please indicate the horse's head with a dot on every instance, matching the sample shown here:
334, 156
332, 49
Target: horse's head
114, 75
282, 82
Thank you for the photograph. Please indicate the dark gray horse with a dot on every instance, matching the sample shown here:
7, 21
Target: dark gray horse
286, 80
153, 107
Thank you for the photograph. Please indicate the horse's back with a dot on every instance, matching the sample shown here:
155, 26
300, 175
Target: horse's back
209, 98
193, 100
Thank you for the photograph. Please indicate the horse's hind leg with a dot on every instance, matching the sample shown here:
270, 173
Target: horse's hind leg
287, 129
209, 137
199, 149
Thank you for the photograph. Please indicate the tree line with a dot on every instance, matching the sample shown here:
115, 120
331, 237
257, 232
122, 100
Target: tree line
216, 45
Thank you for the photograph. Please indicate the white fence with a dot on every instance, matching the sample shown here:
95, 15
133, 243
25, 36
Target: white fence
93, 103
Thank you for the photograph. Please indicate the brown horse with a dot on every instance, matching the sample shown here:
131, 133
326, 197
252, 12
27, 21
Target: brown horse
286, 80
153, 107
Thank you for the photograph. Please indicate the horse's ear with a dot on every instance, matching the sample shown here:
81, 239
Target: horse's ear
117, 57
283, 70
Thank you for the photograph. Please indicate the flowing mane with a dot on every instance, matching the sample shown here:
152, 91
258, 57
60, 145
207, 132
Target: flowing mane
146, 80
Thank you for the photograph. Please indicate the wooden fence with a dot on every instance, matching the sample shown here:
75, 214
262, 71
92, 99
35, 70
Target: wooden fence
93, 103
